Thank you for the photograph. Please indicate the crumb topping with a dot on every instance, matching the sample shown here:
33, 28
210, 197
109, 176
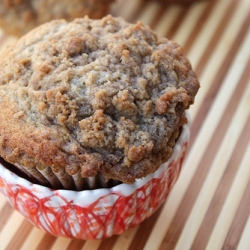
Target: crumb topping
96, 96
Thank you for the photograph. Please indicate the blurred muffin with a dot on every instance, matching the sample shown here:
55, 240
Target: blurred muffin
87, 102
17, 17
178, 1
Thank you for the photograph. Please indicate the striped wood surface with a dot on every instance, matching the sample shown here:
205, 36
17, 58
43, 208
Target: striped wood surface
209, 207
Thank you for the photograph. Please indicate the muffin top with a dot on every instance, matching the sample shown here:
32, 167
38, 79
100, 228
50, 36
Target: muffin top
96, 96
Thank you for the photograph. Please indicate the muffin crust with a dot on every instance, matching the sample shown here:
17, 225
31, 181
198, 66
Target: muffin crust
96, 96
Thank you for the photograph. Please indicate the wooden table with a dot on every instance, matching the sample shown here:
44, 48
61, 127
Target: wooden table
209, 207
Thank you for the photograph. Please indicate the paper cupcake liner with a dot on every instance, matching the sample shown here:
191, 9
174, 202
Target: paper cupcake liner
94, 214
61, 180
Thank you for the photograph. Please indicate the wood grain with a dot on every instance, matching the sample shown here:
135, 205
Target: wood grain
209, 207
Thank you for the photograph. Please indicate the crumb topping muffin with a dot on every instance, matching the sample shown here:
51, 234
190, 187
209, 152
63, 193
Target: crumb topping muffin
17, 17
93, 96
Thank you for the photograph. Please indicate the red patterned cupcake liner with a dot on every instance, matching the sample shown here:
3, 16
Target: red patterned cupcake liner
94, 214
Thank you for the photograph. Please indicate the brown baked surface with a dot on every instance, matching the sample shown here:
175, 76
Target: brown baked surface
17, 17
99, 96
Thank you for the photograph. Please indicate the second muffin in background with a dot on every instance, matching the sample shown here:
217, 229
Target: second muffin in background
19, 17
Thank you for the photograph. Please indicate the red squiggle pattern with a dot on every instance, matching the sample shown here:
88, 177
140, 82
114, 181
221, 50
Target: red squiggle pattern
110, 214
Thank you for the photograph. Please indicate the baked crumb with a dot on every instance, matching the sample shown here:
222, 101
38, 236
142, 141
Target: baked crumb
95, 96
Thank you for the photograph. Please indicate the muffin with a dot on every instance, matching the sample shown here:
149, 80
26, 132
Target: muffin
178, 1
17, 17
92, 103
94, 126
